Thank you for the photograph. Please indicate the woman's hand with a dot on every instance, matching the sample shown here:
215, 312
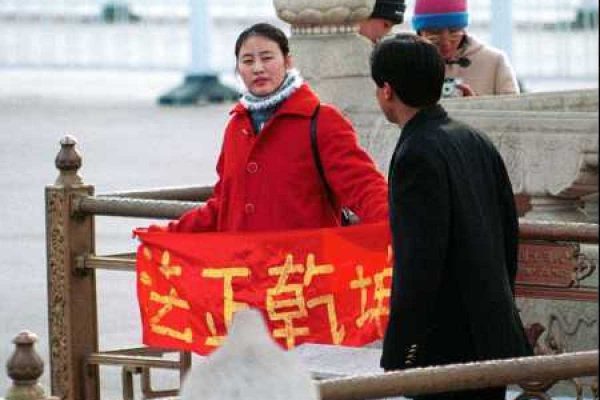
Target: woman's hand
158, 228
466, 89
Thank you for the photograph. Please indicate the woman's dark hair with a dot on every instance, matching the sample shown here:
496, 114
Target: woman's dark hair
412, 66
267, 31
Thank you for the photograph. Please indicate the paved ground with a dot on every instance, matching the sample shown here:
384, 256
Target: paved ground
127, 142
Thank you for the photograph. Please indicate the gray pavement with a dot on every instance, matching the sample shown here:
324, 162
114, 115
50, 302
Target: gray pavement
127, 142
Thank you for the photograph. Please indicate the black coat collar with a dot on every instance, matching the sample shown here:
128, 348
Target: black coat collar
425, 114
435, 112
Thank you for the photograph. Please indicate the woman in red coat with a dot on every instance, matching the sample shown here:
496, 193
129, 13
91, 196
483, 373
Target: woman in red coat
268, 178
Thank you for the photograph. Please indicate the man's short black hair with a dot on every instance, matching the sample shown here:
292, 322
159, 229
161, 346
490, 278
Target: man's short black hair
412, 66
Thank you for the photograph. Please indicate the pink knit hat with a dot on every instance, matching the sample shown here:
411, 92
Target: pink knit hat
439, 14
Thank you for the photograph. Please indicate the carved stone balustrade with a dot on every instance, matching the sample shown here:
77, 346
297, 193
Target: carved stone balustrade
582, 100
552, 157
557, 289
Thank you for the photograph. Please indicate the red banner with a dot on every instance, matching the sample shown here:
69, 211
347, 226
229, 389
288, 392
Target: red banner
329, 286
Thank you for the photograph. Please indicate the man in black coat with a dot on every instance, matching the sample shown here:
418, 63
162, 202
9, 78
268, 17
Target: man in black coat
454, 226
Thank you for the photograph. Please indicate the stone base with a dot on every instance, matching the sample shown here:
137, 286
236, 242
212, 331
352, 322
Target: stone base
555, 209
198, 88
26, 392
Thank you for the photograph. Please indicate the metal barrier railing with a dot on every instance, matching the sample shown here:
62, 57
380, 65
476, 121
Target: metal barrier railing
459, 377
181, 193
584, 233
568, 232
25, 367
72, 262
126, 207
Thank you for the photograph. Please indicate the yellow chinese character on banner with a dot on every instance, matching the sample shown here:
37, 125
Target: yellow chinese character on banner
230, 306
381, 292
286, 301
337, 333
214, 339
166, 268
169, 302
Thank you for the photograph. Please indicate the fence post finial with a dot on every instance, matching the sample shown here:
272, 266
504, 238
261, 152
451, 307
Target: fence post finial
25, 367
68, 161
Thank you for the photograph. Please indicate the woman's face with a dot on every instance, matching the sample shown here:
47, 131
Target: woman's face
262, 65
446, 40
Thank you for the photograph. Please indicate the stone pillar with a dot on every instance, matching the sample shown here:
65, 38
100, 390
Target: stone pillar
331, 55
72, 319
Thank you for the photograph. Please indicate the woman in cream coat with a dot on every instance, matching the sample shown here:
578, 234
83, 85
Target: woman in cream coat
477, 68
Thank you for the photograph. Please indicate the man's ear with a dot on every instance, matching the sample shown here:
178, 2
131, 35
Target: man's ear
388, 92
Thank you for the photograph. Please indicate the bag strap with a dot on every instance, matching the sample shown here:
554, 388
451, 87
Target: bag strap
347, 217
314, 145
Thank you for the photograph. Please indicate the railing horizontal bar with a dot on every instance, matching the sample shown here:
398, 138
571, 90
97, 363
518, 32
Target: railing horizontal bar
132, 361
120, 255
161, 394
169, 209
140, 351
584, 293
559, 231
181, 193
110, 263
459, 377
127, 207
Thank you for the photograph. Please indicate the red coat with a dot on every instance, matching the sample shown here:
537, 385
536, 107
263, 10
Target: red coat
270, 181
